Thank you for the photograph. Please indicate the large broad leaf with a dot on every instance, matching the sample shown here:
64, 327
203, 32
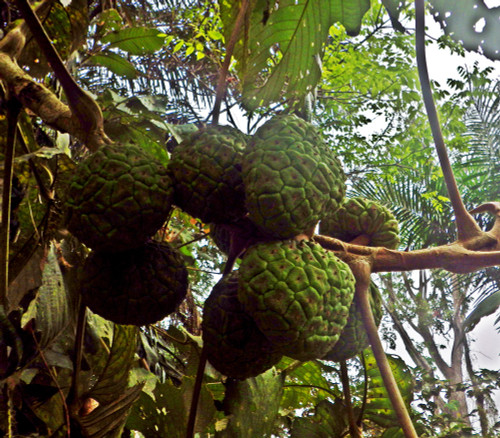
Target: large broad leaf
306, 386
281, 50
329, 421
135, 40
166, 414
115, 63
108, 420
112, 371
471, 23
50, 309
486, 307
253, 405
378, 407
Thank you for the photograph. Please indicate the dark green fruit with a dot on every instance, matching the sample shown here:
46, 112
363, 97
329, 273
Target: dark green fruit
353, 339
298, 294
292, 178
206, 170
235, 346
139, 286
362, 217
118, 198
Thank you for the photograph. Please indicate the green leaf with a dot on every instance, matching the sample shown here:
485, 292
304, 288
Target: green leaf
329, 421
108, 420
306, 386
393, 8
136, 40
115, 63
285, 46
253, 405
166, 415
486, 307
471, 23
50, 309
378, 405
112, 371
393, 432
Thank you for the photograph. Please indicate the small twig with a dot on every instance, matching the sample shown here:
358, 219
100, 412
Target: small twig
467, 228
74, 395
221, 82
13, 109
365, 390
196, 393
344, 377
54, 379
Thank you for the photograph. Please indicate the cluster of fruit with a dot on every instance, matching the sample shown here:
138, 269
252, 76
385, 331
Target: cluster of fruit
264, 196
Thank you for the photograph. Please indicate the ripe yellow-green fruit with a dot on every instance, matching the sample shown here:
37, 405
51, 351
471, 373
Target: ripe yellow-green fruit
298, 295
118, 198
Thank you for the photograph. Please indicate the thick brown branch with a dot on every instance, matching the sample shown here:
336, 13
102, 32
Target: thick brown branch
361, 271
45, 104
455, 257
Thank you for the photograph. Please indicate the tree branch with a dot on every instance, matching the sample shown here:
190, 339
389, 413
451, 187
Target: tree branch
85, 114
467, 228
361, 271
456, 257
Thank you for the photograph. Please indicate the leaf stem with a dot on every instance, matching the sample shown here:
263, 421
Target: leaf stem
221, 82
467, 227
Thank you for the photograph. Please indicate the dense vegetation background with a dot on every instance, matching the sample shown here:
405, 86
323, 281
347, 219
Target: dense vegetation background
156, 70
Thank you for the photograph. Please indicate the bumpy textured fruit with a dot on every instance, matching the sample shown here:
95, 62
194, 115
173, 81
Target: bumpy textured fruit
118, 198
359, 216
139, 286
292, 178
353, 339
235, 346
298, 294
206, 170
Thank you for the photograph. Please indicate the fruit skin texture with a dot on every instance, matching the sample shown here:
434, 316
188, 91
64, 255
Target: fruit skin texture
206, 170
353, 339
359, 216
138, 287
235, 346
298, 294
292, 178
118, 198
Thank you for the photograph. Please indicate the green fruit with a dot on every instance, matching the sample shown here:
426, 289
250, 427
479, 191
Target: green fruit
298, 294
353, 339
118, 198
292, 178
206, 170
139, 286
235, 346
359, 216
